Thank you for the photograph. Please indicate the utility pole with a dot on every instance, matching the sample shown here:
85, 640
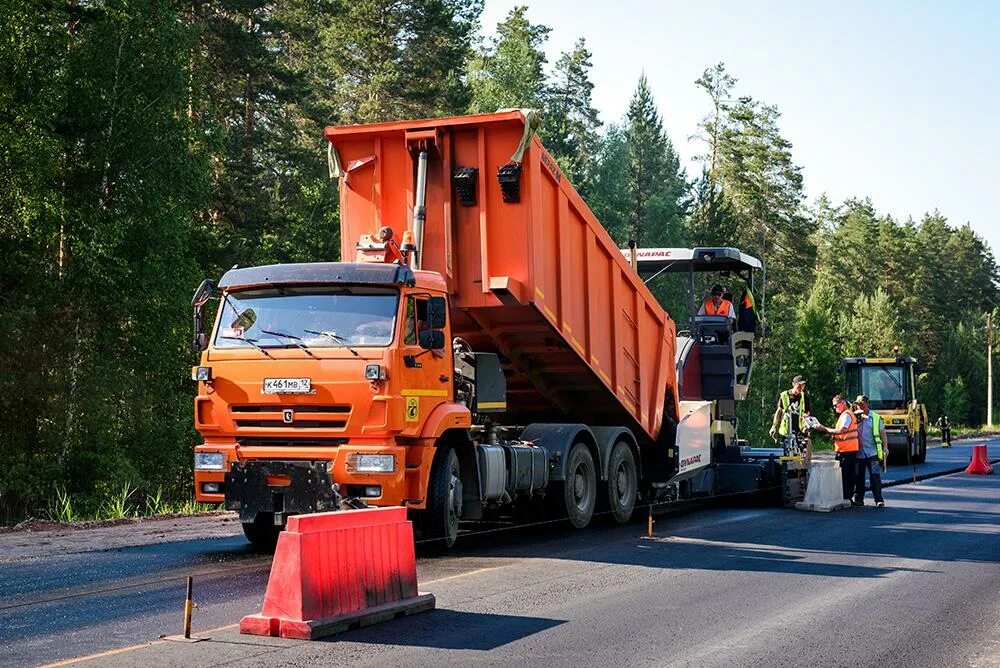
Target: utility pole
989, 369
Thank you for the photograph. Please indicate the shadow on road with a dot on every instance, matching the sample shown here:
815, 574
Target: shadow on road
947, 522
452, 629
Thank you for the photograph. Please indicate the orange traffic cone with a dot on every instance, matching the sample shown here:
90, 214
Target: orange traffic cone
980, 464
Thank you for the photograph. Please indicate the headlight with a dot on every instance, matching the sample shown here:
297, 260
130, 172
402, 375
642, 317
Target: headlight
361, 463
201, 373
209, 461
374, 372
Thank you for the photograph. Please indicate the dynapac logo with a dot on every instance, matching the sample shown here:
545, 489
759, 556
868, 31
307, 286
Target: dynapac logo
688, 461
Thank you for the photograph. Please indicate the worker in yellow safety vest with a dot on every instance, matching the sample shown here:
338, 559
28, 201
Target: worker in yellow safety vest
871, 452
791, 412
845, 443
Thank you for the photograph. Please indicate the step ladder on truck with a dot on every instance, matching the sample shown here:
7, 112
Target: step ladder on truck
484, 348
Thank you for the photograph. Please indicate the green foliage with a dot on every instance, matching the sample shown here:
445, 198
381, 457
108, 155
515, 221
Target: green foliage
655, 181
870, 326
955, 402
509, 72
570, 131
145, 145
61, 507
117, 505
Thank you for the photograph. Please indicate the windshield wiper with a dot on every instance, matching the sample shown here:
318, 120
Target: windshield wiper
335, 337
252, 342
893, 378
296, 339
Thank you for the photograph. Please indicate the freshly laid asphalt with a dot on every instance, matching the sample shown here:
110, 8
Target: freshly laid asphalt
914, 584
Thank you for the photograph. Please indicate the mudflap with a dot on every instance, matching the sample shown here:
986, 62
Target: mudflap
280, 487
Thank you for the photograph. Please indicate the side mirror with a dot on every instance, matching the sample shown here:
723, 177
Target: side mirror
431, 339
204, 292
437, 312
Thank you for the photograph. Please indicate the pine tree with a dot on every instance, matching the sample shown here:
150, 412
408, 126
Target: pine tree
718, 83
509, 73
570, 131
610, 198
656, 185
390, 60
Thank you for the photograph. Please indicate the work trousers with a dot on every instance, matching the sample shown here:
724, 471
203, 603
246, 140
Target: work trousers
874, 469
848, 464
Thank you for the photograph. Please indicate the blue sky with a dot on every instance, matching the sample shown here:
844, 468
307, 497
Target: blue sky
897, 101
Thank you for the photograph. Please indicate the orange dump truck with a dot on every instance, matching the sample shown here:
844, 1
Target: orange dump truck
484, 344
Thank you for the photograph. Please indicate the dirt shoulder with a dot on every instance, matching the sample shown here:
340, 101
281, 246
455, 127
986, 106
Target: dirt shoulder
38, 538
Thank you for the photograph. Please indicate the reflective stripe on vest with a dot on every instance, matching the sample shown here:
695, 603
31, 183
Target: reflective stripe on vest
877, 431
848, 441
723, 309
786, 419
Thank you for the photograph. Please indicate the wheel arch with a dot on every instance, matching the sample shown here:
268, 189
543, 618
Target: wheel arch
558, 438
607, 438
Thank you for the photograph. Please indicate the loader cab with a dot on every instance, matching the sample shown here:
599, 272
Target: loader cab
714, 352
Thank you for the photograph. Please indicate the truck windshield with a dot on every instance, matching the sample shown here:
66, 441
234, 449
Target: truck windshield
313, 317
886, 386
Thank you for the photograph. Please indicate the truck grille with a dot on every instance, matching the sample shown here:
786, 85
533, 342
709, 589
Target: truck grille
303, 416
292, 442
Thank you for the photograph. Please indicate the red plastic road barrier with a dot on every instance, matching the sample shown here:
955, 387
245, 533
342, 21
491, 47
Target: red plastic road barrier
980, 464
334, 571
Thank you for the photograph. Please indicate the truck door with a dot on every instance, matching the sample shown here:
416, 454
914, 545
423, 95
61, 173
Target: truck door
426, 374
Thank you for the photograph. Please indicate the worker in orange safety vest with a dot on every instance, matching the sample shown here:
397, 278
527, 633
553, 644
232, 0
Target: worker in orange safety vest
716, 304
846, 442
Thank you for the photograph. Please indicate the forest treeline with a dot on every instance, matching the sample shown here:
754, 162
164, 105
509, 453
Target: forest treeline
147, 144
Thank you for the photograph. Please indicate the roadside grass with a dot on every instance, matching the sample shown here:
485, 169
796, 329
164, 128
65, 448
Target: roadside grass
120, 504
961, 431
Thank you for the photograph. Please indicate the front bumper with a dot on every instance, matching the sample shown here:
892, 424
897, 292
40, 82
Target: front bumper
280, 487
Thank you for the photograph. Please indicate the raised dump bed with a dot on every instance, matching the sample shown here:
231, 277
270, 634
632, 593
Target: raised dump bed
533, 274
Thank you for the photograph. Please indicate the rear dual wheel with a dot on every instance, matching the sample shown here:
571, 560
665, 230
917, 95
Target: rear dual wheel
623, 481
579, 489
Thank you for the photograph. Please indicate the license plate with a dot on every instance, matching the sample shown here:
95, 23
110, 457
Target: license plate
287, 386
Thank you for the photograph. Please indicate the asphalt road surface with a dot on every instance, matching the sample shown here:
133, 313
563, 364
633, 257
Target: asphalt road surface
914, 584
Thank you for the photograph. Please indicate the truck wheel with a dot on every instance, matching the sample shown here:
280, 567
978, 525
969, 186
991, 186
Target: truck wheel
622, 482
262, 533
444, 499
921, 455
579, 490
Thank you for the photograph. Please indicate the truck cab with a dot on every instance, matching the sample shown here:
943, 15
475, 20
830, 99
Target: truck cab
322, 373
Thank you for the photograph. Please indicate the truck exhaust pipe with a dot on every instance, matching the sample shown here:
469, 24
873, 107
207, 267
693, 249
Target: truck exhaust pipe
420, 209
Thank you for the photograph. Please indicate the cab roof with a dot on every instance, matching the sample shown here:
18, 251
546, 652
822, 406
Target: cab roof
313, 273
897, 359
